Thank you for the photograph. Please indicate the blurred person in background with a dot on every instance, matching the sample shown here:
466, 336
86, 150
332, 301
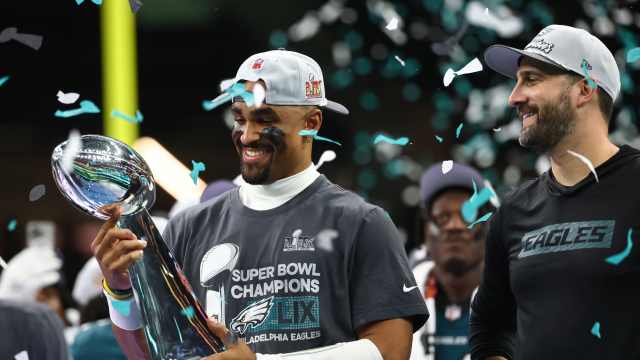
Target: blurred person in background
31, 331
34, 275
449, 277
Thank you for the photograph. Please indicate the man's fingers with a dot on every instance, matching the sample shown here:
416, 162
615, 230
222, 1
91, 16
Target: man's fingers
122, 248
110, 238
123, 262
115, 212
217, 328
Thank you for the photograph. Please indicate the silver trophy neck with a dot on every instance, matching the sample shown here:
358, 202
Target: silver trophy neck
103, 172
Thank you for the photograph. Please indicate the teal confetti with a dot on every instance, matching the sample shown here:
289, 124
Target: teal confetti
188, 312
402, 141
13, 223
439, 139
617, 258
633, 55
123, 307
197, 168
4, 79
459, 130
315, 135
86, 107
484, 218
131, 119
585, 71
595, 330
238, 89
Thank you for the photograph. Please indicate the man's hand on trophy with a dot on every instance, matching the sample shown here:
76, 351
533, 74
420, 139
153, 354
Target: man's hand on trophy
116, 249
237, 349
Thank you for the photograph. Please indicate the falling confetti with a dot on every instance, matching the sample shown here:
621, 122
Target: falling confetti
399, 60
3, 263
37, 192
617, 258
327, 156
135, 5
259, 94
22, 355
11, 226
122, 306
633, 55
197, 167
476, 201
484, 218
236, 90
86, 107
188, 312
595, 330
131, 119
314, 134
447, 165
439, 139
4, 79
402, 141
459, 130
585, 70
474, 66
11, 33
68, 98
71, 149
324, 239
392, 25
497, 129
97, 2
586, 161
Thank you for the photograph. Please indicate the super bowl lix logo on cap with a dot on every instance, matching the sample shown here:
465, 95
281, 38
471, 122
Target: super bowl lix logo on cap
312, 88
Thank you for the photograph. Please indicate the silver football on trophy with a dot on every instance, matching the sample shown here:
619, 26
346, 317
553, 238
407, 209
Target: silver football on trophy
101, 171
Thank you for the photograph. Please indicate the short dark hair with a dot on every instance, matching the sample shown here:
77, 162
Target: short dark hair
605, 102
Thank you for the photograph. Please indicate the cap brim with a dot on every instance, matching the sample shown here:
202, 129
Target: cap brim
336, 107
505, 60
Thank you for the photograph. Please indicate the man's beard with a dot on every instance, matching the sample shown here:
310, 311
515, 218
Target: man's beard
553, 123
458, 267
259, 178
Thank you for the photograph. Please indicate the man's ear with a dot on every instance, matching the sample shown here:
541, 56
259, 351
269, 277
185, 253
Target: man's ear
586, 93
313, 120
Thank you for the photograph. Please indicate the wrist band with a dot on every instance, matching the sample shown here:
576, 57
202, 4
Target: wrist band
116, 294
124, 314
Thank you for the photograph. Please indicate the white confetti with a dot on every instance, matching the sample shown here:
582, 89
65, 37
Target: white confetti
37, 192
68, 98
327, 156
324, 239
22, 355
258, 95
497, 129
399, 60
73, 147
586, 161
392, 25
473, 66
447, 165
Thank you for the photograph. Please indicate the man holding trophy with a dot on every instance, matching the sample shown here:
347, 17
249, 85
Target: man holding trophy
288, 264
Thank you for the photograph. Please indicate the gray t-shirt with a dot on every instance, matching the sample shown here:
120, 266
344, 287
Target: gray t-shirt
31, 330
306, 274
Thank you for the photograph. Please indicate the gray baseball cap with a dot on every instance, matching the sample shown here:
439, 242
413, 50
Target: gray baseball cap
291, 78
433, 181
565, 47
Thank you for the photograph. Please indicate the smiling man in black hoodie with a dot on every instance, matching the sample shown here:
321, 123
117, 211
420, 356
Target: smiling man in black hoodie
560, 279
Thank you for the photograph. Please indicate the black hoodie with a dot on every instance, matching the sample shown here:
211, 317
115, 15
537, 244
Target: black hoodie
559, 279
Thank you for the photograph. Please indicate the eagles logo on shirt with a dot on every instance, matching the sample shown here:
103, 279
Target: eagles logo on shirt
252, 316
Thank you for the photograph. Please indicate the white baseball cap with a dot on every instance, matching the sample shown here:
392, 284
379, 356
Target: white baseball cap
291, 78
565, 47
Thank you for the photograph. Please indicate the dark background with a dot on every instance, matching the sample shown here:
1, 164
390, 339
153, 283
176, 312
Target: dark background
185, 48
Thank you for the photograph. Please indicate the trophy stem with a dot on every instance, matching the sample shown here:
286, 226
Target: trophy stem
174, 322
